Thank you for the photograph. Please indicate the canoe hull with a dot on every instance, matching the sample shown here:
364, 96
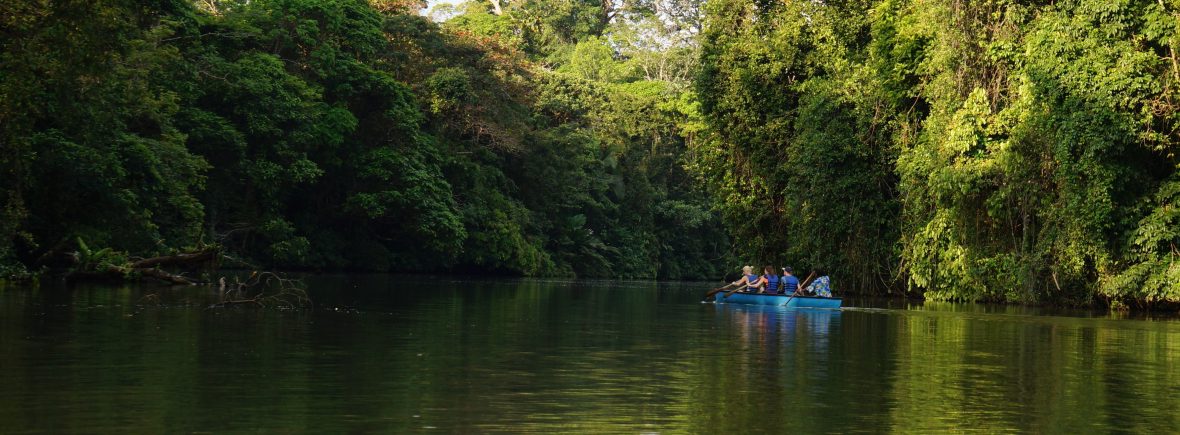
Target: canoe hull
777, 300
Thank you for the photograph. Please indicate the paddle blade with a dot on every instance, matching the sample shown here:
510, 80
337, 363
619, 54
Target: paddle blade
710, 294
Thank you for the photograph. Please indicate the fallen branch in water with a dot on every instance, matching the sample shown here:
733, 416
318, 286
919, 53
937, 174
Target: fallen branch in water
203, 256
262, 289
117, 273
108, 265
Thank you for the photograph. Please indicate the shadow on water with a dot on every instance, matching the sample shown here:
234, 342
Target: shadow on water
383, 353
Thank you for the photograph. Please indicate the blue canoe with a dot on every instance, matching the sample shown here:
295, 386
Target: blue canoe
778, 300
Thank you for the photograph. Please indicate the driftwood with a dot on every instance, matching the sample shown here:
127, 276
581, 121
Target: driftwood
146, 267
259, 288
165, 276
199, 257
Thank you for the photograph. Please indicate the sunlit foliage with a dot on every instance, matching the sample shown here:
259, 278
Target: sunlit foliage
992, 150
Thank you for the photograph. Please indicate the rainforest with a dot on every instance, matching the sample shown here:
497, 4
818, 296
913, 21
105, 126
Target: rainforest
993, 150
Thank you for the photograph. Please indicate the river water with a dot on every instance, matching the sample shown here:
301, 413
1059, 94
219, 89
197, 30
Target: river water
398, 354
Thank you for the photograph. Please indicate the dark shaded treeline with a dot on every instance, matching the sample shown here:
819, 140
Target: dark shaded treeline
339, 134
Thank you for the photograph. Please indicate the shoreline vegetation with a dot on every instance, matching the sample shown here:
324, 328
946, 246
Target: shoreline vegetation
973, 151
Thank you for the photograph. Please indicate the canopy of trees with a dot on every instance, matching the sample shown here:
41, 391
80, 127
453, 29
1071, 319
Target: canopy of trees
995, 150
354, 135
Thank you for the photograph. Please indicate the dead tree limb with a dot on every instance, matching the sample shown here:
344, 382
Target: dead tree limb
116, 268
188, 258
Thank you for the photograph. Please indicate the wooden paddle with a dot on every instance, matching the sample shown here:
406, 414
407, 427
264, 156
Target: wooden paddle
803, 285
743, 284
714, 291
798, 289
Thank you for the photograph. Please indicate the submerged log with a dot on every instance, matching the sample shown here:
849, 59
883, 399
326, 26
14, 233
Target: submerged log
260, 288
198, 257
146, 267
165, 276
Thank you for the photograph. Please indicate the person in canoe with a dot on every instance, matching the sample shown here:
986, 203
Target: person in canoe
768, 282
748, 279
789, 282
822, 286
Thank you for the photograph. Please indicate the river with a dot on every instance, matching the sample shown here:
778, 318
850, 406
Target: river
398, 354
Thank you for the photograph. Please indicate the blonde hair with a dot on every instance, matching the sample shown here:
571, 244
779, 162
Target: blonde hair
747, 269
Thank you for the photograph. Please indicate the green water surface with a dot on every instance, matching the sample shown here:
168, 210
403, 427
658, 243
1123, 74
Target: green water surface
396, 354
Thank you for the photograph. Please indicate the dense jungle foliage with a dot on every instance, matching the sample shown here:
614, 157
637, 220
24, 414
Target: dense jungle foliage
987, 150
997, 150
352, 135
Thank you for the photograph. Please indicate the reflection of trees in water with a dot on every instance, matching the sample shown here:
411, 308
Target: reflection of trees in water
787, 338
560, 356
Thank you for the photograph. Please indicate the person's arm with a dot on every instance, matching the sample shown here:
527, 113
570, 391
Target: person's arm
761, 284
746, 283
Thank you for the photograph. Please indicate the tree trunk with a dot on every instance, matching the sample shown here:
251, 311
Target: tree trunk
185, 258
147, 267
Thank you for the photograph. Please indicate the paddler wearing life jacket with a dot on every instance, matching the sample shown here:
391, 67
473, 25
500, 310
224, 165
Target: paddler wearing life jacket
748, 279
789, 282
768, 282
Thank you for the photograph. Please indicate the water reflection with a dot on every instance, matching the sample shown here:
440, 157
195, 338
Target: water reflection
768, 326
397, 354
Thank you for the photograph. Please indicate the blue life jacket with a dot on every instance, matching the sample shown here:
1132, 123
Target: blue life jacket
790, 283
772, 283
750, 279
